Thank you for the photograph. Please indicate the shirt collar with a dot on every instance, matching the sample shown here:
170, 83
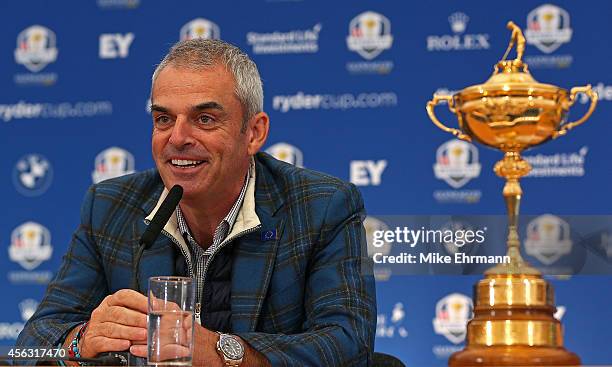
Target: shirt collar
226, 224
246, 217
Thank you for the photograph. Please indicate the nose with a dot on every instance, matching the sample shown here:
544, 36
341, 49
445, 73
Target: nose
181, 133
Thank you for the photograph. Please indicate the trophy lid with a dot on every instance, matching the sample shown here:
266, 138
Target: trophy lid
510, 77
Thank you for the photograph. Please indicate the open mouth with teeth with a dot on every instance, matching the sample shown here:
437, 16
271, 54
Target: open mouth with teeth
185, 163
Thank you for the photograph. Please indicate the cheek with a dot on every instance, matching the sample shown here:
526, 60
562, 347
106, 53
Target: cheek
158, 141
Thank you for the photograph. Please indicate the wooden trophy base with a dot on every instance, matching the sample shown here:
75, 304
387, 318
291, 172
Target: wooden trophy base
513, 356
513, 325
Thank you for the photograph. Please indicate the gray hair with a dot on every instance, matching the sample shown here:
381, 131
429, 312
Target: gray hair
197, 54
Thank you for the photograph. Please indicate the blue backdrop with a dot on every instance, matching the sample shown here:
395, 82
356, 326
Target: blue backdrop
345, 85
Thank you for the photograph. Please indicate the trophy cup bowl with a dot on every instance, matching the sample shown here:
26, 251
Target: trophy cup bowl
513, 323
511, 111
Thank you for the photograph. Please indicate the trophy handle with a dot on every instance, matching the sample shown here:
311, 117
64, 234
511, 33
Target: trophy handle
573, 92
432, 115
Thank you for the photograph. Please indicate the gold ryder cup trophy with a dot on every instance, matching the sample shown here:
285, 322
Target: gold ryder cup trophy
513, 323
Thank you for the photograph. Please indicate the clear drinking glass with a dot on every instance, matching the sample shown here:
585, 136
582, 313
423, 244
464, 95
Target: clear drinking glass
170, 328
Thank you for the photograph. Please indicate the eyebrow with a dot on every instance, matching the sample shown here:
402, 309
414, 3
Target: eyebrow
158, 108
208, 106
198, 107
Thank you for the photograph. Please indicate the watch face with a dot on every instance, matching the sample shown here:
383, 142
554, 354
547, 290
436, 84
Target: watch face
231, 348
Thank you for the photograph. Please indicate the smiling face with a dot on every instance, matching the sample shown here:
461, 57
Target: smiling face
197, 139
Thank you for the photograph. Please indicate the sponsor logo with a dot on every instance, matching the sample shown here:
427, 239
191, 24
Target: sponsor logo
390, 326
112, 162
366, 173
454, 244
287, 153
30, 245
606, 244
27, 307
26, 110
452, 314
603, 91
200, 28
456, 163
36, 48
369, 34
458, 41
560, 312
302, 101
548, 239
32, 175
373, 225
548, 27
558, 165
10, 331
115, 45
292, 42
118, 4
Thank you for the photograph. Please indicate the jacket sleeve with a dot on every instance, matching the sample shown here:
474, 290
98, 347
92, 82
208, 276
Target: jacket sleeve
78, 287
340, 297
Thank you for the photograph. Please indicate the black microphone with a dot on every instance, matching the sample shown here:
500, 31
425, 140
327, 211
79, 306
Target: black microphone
154, 229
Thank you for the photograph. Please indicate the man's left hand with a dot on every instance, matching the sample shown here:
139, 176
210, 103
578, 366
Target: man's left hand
204, 351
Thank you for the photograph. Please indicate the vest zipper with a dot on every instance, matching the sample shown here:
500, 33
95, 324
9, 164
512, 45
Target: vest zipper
212, 256
189, 267
198, 306
187, 257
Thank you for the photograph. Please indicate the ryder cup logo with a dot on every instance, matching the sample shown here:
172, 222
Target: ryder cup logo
112, 162
369, 34
32, 175
374, 225
35, 48
548, 238
200, 28
452, 315
548, 27
286, 153
456, 163
27, 307
30, 245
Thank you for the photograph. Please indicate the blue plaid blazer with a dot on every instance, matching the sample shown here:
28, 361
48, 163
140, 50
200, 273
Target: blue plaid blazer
303, 298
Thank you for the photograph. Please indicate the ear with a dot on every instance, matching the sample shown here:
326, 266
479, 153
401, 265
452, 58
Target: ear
257, 132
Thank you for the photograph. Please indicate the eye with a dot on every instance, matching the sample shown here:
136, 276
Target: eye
162, 120
205, 120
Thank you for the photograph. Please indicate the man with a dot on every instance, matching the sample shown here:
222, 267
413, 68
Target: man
277, 252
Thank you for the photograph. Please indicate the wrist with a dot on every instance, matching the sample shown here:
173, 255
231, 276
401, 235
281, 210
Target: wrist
231, 349
74, 341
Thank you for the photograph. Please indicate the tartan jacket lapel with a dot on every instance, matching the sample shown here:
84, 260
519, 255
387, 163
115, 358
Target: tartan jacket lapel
255, 253
158, 259
253, 256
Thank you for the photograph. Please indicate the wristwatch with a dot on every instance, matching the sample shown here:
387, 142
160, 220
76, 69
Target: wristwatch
230, 349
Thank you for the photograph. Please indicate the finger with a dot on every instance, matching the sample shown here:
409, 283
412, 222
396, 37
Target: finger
118, 331
130, 299
173, 351
159, 304
139, 350
98, 344
188, 322
122, 315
